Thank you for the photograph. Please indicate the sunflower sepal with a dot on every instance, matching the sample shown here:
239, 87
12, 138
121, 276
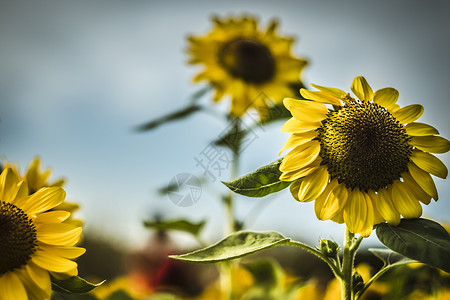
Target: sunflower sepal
419, 239
73, 285
259, 183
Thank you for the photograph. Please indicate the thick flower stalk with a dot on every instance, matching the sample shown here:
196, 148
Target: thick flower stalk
34, 242
365, 161
242, 61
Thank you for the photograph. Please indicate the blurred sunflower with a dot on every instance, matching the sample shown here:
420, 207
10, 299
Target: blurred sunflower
365, 162
34, 243
37, 179
242, 61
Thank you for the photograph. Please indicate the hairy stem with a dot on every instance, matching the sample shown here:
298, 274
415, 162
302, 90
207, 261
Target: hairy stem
347, 265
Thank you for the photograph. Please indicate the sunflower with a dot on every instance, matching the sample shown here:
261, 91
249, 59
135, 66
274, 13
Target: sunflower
34, 243
364, 162
244, 62
37, 179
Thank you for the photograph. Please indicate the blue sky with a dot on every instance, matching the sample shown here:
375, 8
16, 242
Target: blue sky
77, 76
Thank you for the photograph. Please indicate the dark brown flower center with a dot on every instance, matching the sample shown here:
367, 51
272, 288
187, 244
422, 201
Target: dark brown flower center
248, 59
364, 146
17, 237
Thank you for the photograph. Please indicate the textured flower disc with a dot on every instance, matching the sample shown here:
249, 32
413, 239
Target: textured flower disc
253, 66
17, 237
364, 146
248, 59
365, 161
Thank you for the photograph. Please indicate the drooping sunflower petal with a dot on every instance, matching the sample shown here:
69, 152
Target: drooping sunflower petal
386, 97
300, 156
377, 218
424, 180
297, 139
404, 202
361, 88
386, 207
331, 201
12, 287
420, 129
355, 211
337, 93
412, 186
429, 163
369, 221
40, 276
408, 113
433, 144
320, 97
313, 185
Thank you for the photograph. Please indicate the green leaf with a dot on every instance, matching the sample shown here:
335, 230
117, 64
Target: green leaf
389, 257
65, 296
177, 225
423, 240
260, 183
176, 115
73, 285
236, 245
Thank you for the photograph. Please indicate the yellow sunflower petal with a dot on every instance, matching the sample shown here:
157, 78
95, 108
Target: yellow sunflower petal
361, 88
303, 110
429, 163
355, 211
66, 252
420, 129
300, 156
433, 144
424, 180
320, 97
337, 93
404, 202
8, 185
39, 276
385, 97
301, 172
56, 216
313, 185
295, 126
412, 186
44, 199
297, 139
58, 234
377, 218
331, 201
369, 221
62, 276
408, 113
12, 287
386, 208
52, 262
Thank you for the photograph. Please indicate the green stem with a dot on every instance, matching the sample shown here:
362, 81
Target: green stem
234, 173
383, 270
333, 266
225, 282
347, 265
